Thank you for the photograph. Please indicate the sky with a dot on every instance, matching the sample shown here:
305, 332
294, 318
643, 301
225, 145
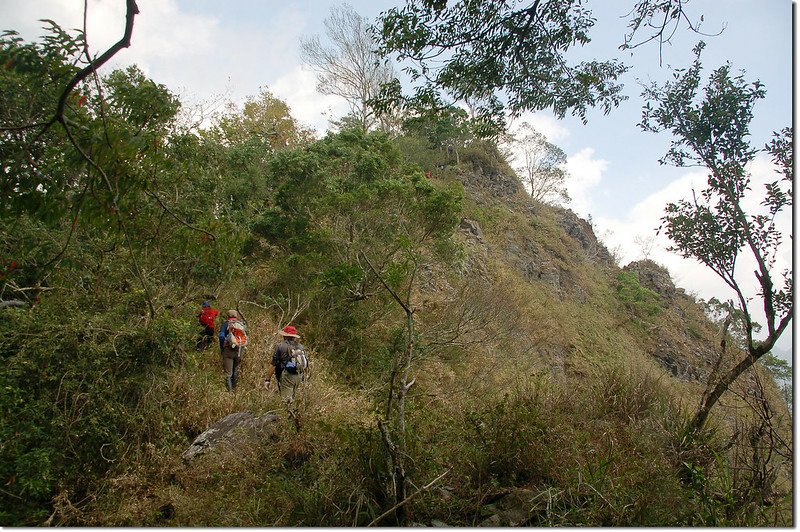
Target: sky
207, 50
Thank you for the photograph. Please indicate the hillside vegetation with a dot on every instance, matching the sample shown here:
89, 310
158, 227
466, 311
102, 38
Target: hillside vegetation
547, 385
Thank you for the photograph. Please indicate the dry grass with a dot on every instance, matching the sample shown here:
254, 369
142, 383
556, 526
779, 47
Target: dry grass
518, 385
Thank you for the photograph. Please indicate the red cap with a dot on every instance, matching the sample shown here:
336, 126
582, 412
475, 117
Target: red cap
289, 331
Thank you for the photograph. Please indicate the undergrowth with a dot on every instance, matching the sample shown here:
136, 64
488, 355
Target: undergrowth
609, 450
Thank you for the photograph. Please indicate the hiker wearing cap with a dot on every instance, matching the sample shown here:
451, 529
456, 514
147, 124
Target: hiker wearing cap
289, 363
207, 318
232, 345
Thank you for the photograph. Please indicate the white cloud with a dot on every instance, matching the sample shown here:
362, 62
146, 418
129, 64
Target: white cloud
585, 173
545, 124
298, 90
198, 55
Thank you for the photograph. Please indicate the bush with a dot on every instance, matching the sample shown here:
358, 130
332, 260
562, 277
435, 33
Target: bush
641, 302
70, 396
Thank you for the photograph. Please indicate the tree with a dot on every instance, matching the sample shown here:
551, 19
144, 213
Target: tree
349, 67
351, 214
714, 227
90, 180
446, 129
264, 120
542, 166
478, 51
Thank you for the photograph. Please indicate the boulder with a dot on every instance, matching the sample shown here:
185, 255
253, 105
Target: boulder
230, 428
514, 508
471, 229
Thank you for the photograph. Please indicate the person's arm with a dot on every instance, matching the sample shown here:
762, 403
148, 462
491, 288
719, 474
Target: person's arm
223, 330
273, 363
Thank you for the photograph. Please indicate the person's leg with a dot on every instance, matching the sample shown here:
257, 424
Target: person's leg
288, 384
235, 371
227, 367
208, 337
201, 340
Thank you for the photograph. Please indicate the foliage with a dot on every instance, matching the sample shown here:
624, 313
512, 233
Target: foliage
493, 46
348, 195
38, 174
264, 123
109, 223
638, 300
349, 66
108, 252
717, 311
71, 401
542, 166
714, 228
447, 128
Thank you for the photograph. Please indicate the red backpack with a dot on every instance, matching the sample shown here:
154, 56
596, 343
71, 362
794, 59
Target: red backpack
236, 335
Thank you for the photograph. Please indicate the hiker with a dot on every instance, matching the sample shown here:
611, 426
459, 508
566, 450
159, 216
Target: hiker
289, 364
207, 318
232, 345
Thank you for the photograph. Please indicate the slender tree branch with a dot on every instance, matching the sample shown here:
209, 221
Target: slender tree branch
73, 226
131, 11
404, 501
119, 218
183, 222
386, 286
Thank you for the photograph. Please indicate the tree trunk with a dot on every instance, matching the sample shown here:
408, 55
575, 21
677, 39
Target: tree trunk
711, 398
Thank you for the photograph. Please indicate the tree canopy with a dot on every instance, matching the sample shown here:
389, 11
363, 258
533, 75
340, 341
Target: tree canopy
512, 55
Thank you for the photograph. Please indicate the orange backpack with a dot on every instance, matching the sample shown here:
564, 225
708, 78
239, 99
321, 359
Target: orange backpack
236, 335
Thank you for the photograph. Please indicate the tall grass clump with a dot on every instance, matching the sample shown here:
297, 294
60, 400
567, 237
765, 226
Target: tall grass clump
604, 451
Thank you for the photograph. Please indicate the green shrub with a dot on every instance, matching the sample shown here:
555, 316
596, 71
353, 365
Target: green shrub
641, 302
70, 397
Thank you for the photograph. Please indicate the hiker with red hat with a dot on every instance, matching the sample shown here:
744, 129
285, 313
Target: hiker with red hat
207, 318
289, 364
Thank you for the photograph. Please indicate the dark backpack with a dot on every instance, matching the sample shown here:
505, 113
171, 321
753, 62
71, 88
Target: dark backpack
295, 359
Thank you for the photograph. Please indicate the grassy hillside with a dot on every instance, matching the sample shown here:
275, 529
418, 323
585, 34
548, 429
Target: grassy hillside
538, 398
478, 358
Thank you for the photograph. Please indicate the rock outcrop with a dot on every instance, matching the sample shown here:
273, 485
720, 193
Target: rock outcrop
581, 230
230, 429
485, 176
654, 277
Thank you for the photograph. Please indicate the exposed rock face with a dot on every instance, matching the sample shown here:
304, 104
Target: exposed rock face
581, 230
532, 261
471, 229
498, 184
683, 357
673, 357
228, 429
654, 277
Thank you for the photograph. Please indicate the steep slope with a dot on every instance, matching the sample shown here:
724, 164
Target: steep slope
550, 387
546, 290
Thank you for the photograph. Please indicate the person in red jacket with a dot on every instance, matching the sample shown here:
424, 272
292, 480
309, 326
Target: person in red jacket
207, 318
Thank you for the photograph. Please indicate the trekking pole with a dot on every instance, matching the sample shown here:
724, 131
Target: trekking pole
303, 381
